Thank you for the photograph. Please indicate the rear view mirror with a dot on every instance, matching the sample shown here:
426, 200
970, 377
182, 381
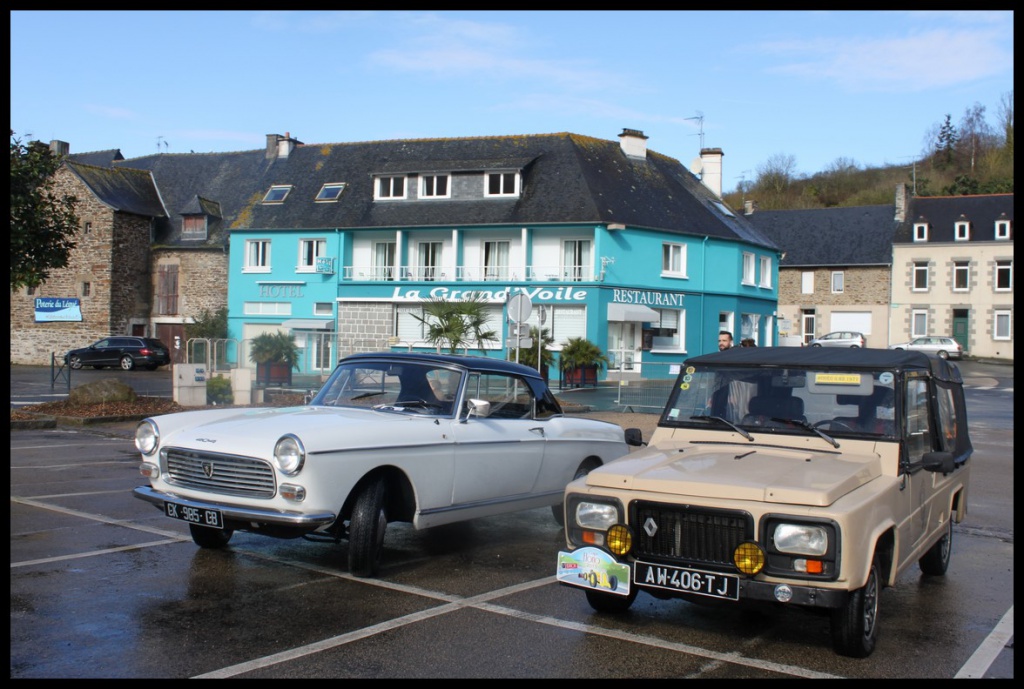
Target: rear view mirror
634, 437
938, 462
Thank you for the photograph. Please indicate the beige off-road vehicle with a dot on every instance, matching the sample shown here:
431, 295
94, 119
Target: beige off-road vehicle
800, 476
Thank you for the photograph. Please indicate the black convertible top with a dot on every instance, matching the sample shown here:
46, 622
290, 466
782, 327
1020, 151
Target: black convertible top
475, 363
832, 357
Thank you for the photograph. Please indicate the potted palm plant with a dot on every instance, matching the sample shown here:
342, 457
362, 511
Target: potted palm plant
275, 355
580, 360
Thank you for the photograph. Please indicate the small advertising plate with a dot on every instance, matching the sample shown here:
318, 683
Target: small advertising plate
593, 568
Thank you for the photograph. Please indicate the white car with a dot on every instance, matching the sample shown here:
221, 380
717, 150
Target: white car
843, 338
391, 437
943, 347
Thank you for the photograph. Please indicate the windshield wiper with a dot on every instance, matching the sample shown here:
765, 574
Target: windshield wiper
705, 417
810, 427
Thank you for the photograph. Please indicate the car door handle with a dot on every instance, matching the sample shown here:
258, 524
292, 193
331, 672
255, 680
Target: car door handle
538, 430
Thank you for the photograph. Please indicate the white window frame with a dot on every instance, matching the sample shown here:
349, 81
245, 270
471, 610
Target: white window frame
807, 282
766, 272
838, 282
431, 181
262, 262
384, 187
916, 268
962, 268
678, 344
673, 260
323, 308
918, 317
576, 260
277, 193
503, 182
1002, 265
962, 231
1002, 230
495, 258
267, 308
1002, 324
319, 247
748, 269
330, 192
920, 232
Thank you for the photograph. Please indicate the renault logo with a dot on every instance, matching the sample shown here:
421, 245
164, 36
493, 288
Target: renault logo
208, 469
650, 527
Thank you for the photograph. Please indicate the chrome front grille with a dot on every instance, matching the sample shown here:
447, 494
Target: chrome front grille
217, 473
687, 534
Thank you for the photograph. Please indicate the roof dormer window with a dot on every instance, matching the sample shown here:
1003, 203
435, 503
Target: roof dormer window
501, 184
277, 193
962, 230
920, 232
193, 227
330, 192
1002, 229
389, 187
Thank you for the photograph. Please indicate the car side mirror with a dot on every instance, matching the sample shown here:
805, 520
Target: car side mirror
634, 437
940, 462
475, 407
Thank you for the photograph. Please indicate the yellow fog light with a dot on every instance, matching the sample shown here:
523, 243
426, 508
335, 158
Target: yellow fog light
619, 540
748, 558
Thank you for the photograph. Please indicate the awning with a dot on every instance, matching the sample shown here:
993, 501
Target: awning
307, 324
636, 313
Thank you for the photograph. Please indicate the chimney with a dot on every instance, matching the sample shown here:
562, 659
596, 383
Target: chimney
280, 146
711, 169
748, 207
59, 148
901, 202
633, 143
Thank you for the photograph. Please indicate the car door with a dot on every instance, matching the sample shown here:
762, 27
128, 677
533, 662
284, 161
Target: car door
501, 455
98, 353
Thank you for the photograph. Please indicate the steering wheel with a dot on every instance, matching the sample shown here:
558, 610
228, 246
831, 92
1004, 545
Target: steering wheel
835, 423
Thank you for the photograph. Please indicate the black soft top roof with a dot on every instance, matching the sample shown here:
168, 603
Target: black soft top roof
475, 363
832, 357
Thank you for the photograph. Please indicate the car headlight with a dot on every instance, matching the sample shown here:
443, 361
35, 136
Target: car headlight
598, 516
147, 437
801, 539
289, 454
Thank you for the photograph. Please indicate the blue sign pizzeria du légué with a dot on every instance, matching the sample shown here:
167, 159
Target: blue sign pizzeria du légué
57, 309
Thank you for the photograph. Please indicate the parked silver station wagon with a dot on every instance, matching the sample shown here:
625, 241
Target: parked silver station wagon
781, 476
391, 437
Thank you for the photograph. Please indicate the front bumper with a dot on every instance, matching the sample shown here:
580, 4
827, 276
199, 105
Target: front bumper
235, 513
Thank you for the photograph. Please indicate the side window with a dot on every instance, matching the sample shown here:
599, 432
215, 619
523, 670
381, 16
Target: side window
947, 418
919, 437
510, 396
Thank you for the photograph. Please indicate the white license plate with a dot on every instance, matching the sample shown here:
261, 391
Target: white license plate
195, 515
683, 579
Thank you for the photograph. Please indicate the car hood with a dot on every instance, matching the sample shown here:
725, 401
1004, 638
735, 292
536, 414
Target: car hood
255, 431
740, 472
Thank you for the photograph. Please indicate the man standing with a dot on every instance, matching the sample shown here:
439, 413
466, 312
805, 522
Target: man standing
724, 340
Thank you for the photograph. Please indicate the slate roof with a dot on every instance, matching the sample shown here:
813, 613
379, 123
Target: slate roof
125, 190
943, 212
567, 178
855, 236
104, 158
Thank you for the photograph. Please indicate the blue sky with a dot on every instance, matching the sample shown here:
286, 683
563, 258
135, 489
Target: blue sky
815, 85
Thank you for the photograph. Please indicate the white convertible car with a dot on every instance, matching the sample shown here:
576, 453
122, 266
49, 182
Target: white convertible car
391, 437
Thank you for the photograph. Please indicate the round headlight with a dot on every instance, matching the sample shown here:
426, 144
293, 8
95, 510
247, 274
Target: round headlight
147, 437
289, 454
801, 539
748, 558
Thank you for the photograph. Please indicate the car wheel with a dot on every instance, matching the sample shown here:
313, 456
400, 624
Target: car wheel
855, 624
75, 362
127, 363
366, 530
854, 346
205, 537
936, 561
558, 511
816, 345
609, 602
943, 354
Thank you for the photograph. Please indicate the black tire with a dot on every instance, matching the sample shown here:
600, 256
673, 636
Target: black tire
935, 562
127, 363
854, 346
609, 602
815, 345
855, 625
205, 537
943, 354
75, 361
366, 529
558, 511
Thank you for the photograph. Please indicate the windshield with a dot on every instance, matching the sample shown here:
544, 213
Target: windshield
407, 386
837, 402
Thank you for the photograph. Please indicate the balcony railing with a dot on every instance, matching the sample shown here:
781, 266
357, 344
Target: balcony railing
533, 273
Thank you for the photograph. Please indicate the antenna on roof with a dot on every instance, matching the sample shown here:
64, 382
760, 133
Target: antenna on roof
160, 140
700, 124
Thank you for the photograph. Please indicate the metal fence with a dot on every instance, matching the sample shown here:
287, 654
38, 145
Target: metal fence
651, 391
